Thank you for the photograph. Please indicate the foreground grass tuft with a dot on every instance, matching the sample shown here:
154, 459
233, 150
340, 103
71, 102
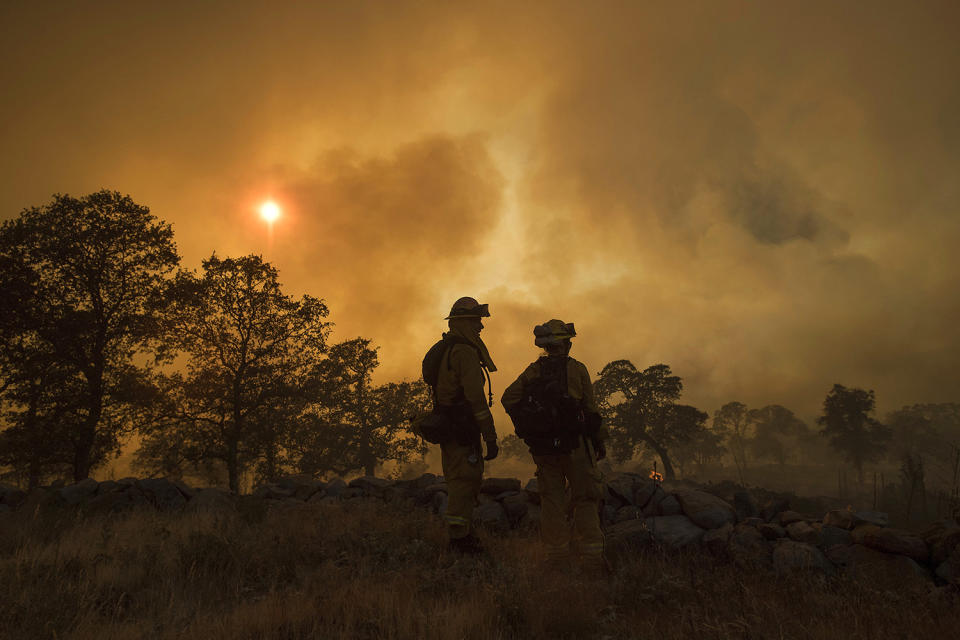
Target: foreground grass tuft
365, 570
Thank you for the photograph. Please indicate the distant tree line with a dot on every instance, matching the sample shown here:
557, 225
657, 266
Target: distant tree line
103, 335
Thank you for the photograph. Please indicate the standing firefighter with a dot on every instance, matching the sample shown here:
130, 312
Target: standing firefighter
553, 410
456, 369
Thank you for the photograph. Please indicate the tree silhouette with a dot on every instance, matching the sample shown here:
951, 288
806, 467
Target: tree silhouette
776, 432
639, 409
700, 445
88, 275
731, 421
250, 350
852, 431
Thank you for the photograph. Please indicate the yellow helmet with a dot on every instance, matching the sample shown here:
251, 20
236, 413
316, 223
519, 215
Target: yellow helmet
553, 332
468, 308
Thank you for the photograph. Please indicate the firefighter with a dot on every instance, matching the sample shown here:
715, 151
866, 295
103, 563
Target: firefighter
553, 409
463, 367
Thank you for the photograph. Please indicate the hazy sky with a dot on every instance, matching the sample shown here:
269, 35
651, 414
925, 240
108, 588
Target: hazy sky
764, 196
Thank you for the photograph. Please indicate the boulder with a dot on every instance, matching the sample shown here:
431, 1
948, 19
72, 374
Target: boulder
609, 513
949, 569
531, 519
877, 518
886, 571
491, 515
336, 487
789, 555
653, 503
621, 487
532, 486
186, 490
495, 486
80, 492
675, 531
670, 506
942, 546
745, 505
109, 486
748, 547
840, 518
839, 554
273, 492
889, 540
705, 510
773, 507
320, 497
309, 489
351, 493
830, 536
515, 506
211, 499
11, 496
624, 539
128, 499
786, 518
628, 513
772, 531
754, 522
803, 532
715, 540
643, 491
371, 486
162, 493
41, 498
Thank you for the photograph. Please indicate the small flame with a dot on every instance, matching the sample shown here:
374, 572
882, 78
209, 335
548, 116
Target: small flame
658, 477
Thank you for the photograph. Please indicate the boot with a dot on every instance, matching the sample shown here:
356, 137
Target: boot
467, 545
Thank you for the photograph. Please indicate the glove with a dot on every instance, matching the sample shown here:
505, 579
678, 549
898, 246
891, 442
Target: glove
600, 450
493, 450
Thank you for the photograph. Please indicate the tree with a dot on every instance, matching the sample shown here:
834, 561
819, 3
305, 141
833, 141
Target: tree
250, 353
930, 432
852, 431
358, 425
776, 432
513, 447
697, 444
731, 421
90, 270
639, 409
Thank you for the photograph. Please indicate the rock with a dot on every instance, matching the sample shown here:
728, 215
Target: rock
886, 571
629, 512
745, 505
839, 554
11, 496
211, 499
162, 493
531, 519
129, 499
675, 531
41, 498
943, 546
624, 539
772, 508
109, 486
705, 510
515, 506
772, 531
803, 532
495, 486
532, 486
273, 492
754, 522
789, 555
786, 518
643, 491
748, 547
670, 506
715, 540
895, 541
840, 518
877, 518
621, 487
609, 513
506, 494
370, 485
76, 493
491, 515
831, 536
336, 487
949, 569
320, 497
187, 491
309, 489
653, 504
351, 492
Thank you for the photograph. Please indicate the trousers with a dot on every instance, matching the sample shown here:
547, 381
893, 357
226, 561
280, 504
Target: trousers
463, 472
582, 531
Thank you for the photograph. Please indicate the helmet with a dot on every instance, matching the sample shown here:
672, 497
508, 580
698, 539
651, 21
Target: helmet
553, 332
468, 308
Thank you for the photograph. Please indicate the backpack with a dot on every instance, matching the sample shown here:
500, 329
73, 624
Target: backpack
548, 419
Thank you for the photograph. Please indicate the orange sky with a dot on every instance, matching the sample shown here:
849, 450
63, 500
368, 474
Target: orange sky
762, 195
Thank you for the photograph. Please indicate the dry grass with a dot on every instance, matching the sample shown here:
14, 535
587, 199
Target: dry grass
358, 570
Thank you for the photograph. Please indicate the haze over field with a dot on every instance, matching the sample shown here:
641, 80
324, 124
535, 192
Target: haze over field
763, 197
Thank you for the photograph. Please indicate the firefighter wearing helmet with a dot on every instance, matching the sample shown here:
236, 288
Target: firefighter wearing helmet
553, 410
457, 368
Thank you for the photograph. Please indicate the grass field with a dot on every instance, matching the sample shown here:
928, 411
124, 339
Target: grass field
365, 570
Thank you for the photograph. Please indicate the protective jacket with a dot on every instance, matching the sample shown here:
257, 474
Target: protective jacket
461, 381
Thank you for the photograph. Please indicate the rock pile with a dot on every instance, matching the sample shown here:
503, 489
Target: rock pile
637, 512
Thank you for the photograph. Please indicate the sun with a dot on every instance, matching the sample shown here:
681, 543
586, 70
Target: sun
269, 211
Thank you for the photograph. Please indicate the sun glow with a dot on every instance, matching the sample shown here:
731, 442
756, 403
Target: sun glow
269, 211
